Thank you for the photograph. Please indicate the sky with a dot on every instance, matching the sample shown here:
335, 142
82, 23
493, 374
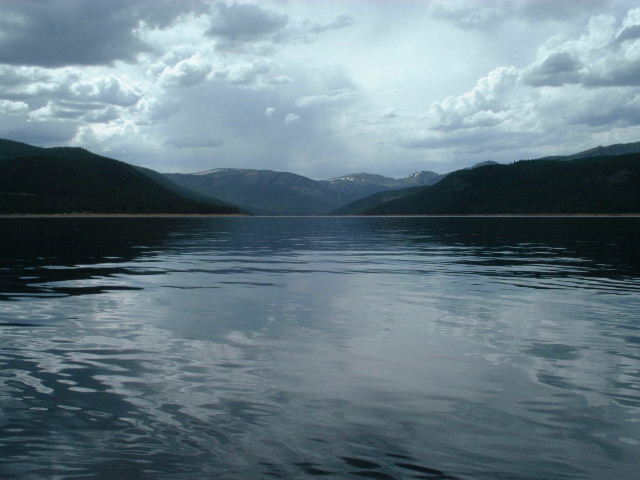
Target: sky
320, 88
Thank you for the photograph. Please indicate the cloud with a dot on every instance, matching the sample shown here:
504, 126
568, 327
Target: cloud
469, 14
484, 105
628, 34
557, 69
327, 99
250, 28
540, 10
341, 21
77, 32
245, 22
306, 87
185, 73
572, 71
104, 89
10, 107
244, 73
488, 14
291, 118
606, 56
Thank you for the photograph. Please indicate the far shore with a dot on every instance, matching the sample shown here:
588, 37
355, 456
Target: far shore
118, 215
224, 215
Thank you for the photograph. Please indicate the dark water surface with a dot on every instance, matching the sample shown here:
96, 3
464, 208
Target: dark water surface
380, 348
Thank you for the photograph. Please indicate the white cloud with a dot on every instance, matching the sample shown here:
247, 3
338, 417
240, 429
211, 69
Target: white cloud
10, 107
105, 89
269, 112
326, 99
186, 73
485, 104
291, 118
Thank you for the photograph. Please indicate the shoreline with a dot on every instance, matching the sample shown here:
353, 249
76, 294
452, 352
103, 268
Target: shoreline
118, 215
224, 215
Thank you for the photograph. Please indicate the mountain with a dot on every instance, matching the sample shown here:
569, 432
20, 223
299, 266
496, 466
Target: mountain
358, 185
599, 151
608, 184
361, 205
66, 179
263, 192
266, 192
483, 164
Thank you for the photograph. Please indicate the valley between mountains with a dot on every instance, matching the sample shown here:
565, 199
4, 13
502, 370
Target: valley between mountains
59, 180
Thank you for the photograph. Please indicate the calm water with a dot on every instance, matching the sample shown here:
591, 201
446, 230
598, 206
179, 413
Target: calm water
381, 348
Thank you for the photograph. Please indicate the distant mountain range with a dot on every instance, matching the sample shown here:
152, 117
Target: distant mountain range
66, 180
600, 151
591, 184
265, 192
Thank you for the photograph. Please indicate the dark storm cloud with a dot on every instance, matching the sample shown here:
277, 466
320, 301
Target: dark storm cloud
80, 32
242, 26
629, 33
557, 69
245, 22
622, 75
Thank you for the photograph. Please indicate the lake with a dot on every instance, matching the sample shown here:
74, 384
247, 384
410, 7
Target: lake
380, 348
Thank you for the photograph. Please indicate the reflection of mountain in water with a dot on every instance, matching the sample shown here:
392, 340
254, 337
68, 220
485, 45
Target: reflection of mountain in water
599, 247
359, 347
37, 252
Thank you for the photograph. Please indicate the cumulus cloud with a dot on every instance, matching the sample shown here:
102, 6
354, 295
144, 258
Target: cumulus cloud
77, 32
244, 73
579, 88
186, 73
106, 89
9, 107
595, 59
484, 105
190, 85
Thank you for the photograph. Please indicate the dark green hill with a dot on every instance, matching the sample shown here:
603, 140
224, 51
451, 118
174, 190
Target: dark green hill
592, 185
364, 204
9, 148
65, 180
